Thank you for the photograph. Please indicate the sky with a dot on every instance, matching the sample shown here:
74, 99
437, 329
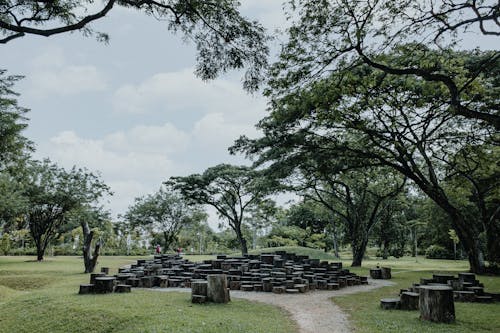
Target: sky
132, 110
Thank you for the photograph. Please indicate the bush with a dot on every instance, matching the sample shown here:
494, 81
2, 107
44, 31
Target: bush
438, 252
5, 244
26, 251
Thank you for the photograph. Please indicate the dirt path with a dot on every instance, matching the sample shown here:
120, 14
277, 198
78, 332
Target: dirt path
313, 312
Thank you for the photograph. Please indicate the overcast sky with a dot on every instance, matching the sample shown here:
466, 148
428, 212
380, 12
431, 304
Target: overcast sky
132, 110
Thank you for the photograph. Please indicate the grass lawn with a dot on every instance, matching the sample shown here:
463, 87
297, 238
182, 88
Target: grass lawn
366, 315
42, 297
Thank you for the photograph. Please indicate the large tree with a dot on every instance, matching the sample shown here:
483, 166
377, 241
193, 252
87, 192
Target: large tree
164, 212
368, 118
335, 35
230, 189
224, 39
51, 193
14, 148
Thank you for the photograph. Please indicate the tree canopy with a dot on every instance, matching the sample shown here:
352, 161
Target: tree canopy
164, 212
337, 35
224, 39
366, 117
230, 189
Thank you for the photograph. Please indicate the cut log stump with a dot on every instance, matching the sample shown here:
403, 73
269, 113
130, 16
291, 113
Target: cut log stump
217, 290
464, 296
436, 304
199, 299
122, 288
86, 289
375, 273
409, 301
389, 303
104, 284
385, 273
199, 288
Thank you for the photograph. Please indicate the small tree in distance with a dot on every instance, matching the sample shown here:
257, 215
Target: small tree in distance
165, 212
230, 189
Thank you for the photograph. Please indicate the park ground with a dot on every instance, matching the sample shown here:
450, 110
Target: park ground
42, 297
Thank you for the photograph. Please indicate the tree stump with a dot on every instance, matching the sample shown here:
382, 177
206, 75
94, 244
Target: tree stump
385, 273
464, 296
199, 288
442, 278
86, 289
436, 304
199, 299
234, 285
217, 290
95, 275
104, 284
147, 281
105, 270
389, 303
409, 301
279, 289
375, 273
467, 277
122, 288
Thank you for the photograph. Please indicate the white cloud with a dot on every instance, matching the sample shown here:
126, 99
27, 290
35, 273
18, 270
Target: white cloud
52, 75
176, 92
132, 162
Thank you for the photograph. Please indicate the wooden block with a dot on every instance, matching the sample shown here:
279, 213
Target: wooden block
279, 289
198, 299
464, 296
246, 287
122, 288
389, 303
86, 289
409, 301
292, 291
436, 303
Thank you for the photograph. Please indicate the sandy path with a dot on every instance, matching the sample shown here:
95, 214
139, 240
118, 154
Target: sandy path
313, 311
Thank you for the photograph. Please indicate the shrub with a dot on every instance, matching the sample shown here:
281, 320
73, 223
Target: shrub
438, 252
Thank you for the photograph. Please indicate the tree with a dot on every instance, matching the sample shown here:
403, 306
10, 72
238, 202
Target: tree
337, 35
53, 192
229, 189
358, 198
224, 39
13, 145
165, 212
369, 118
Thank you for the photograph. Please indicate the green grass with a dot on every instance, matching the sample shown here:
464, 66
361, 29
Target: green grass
42, 297
366, 315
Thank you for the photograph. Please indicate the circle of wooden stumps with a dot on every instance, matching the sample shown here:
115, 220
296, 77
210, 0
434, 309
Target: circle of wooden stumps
278, 272
101, 283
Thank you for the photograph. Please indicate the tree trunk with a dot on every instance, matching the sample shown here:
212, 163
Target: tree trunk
39, 253
89, 259
242, 240
492, 243
358, 251
466, 232
335, 242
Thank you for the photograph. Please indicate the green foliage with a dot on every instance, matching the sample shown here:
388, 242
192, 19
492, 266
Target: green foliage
5, 244
223, 38
230, 189
52, 193
438, 252
164, 212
